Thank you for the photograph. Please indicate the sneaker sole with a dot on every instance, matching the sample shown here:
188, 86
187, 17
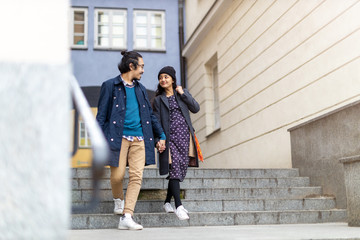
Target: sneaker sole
127, 228
182, 219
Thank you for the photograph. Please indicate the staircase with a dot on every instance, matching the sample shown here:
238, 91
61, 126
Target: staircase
213, 197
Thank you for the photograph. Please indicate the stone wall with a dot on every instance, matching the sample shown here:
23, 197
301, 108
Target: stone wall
317, 146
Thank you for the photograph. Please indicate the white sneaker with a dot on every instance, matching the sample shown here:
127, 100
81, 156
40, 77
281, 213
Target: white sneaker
119, 206
127, 223
168, 208
182, 213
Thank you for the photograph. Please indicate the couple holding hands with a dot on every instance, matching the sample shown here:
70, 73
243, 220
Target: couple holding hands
133, 127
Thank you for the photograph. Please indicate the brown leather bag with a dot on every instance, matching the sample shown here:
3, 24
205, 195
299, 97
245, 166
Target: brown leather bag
192, 153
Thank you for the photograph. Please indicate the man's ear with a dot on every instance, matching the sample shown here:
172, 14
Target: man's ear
131, 66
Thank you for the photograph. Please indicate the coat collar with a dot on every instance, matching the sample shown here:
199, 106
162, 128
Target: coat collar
165, 99
118, 80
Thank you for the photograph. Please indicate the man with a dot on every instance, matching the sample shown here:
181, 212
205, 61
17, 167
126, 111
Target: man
126, 118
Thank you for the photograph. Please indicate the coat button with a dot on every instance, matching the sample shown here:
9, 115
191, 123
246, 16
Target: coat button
116, 105
150, 139
112, 139
147, 122
114, 122
114, 97
143, 105
119, 89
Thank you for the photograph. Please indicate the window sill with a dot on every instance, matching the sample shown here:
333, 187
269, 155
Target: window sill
150, 50
109, 49
79, 48
214, 131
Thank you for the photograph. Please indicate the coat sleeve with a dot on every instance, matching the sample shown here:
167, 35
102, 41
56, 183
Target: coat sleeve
156, 126
156, 108
192, 104
156, 111
103, 106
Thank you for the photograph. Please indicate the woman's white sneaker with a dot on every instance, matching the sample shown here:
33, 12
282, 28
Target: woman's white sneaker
168, 208
182, 213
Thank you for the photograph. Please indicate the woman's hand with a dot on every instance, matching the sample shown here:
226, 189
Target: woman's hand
179, 89
160, 145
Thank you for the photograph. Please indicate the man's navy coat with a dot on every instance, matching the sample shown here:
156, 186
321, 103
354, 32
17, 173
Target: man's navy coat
111, 115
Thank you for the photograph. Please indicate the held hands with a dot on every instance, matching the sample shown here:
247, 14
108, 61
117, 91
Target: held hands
179, 89
160, 145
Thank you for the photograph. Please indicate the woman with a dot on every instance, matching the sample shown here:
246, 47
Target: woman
171, 105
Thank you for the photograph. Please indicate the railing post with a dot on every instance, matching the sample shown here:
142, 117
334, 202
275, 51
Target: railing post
99, 145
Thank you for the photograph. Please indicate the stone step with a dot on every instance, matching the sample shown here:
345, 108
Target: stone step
77, 173
101, 221
156, 206
220, 193
196, 183
269, 193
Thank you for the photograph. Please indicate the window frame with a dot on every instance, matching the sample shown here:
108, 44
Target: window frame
82, 128
72, 29
149, 25
212, 104
111, 14
216, 100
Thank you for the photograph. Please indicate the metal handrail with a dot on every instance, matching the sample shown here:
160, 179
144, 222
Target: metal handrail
100, 147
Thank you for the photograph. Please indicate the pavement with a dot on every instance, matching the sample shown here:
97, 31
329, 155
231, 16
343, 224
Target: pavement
249, 232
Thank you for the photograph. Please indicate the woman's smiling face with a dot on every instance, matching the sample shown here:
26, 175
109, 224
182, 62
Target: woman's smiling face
165, 81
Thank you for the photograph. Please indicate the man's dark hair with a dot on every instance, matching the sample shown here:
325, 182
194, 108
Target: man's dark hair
128, 57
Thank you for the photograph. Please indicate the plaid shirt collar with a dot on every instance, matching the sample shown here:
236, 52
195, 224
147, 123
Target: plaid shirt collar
127, 84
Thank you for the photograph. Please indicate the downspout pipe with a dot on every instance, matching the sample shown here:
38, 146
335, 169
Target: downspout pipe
181, 43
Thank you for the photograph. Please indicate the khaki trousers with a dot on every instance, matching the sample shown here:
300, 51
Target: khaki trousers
132, 153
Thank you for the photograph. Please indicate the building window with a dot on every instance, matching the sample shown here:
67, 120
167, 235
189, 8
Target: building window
84, 139
212, 104
110, 29
215, 90
149, 30
79, 27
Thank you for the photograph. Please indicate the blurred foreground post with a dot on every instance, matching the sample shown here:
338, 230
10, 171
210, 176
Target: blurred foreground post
34, 120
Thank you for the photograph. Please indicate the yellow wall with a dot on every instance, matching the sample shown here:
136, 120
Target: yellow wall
280, 63
83, 156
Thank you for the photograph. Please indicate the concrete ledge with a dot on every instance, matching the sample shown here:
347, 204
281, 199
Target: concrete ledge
350, 159
352, 185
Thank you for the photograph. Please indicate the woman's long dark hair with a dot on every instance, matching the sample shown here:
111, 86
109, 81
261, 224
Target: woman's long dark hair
160, 89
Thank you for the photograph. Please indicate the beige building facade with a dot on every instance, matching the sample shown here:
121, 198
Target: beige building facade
259, 68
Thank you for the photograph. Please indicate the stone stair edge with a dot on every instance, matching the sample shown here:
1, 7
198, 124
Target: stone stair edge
201, 177
222, 212
209, 189
98, 221
74, 171
320, 198
223, 200
195, 169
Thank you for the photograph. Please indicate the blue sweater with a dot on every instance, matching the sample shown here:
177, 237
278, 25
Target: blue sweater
132, 123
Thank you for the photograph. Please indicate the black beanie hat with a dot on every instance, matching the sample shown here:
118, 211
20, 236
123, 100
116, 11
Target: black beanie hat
168, 70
